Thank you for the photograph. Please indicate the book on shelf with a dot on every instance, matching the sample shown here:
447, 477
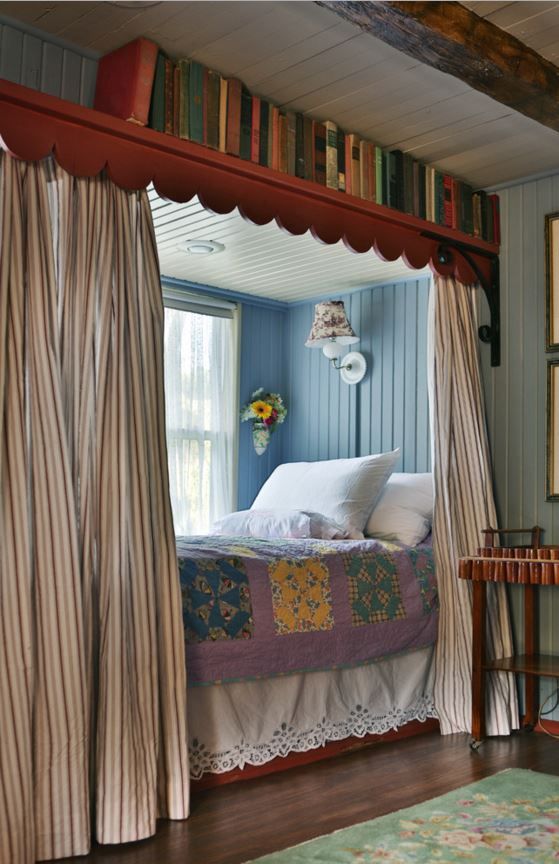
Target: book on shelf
352, 161
223, 87
255, 133
308, 145
331, 130
169, 95
176, 98
125, 81
379, 181
319, 152
212, 81
233, 132
263, 148
274, 142
246, 123
282, 143
196, 101
291, 142
341, 161
157, 103
184, 79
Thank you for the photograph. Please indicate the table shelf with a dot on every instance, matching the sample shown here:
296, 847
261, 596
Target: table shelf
544, 665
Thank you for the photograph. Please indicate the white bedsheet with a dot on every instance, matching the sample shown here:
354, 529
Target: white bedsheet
252, 722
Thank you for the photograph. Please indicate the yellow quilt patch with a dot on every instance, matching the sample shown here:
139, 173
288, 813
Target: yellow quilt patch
301, 597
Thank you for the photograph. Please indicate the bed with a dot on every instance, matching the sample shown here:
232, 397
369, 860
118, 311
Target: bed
291, 643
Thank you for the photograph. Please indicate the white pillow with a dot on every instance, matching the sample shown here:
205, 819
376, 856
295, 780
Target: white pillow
278, 523
405, 509
344, 490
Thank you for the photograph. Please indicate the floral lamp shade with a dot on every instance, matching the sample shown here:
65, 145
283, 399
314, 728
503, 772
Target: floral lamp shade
330, 324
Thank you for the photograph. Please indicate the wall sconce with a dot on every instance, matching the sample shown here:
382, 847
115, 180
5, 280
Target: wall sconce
331, 331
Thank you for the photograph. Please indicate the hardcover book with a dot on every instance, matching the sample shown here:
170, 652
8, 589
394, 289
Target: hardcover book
353, 160
169, 95
319, 160
157, 106
211, 108
331, 154
264, 132
196, 101
291, 142
184, 74
223, 84
341, 161
255, 134
233, 134
245, 146
308, 146
125, 81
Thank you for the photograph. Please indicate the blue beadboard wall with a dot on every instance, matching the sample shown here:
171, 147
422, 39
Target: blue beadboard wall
388, 409
516, 391
46, 63
263, 364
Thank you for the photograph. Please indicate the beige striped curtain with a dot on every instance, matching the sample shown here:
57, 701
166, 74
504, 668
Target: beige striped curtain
464, 505
92, 674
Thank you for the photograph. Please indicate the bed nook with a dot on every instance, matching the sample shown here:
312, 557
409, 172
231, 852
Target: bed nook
305, 623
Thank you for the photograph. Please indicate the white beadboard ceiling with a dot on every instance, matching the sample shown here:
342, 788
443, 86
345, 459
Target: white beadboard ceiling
262, 259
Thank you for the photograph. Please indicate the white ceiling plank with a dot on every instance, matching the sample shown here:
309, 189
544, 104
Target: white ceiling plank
516, 16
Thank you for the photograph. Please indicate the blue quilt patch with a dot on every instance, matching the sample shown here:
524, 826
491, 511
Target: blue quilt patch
215, 599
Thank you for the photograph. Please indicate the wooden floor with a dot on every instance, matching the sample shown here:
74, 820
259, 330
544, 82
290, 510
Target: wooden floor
233, 824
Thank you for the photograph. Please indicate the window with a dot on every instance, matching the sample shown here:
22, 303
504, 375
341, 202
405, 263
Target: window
201, 408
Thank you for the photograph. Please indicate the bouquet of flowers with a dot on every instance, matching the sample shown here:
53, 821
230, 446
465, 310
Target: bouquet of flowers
265, 411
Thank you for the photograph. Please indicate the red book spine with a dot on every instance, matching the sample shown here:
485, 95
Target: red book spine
125, 81
255, 132
233, 136
448, 199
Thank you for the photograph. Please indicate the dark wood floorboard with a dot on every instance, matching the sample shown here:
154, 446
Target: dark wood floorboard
233, 824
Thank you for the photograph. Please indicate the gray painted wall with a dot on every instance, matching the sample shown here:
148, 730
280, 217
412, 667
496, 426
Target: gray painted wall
516, 391
46, 63
330, 419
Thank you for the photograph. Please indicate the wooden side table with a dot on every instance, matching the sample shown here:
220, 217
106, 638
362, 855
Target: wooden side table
529, 566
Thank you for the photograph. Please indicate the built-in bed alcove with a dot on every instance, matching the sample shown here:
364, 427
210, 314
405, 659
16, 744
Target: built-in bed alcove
85, 143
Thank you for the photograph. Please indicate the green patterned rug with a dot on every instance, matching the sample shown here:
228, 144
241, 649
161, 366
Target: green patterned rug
510, 818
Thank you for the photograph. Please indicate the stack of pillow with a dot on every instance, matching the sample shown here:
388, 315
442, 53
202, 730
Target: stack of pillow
338, 499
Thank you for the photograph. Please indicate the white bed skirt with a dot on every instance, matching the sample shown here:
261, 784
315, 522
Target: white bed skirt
253, 722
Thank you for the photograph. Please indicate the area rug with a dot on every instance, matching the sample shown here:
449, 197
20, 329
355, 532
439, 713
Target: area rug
509, 818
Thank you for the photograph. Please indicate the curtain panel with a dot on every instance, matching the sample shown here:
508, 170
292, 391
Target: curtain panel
92, 672
464, 505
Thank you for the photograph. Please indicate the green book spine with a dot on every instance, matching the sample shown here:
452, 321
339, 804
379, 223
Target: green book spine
184, 72
264, 131
379, 184
245, 149
157, 106
439, 198
196, 102
407, 172
422, 179
308, 147
385, 177
212, 109
468, 210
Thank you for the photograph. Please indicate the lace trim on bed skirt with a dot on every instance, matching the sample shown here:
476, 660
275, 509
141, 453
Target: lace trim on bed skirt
287, 739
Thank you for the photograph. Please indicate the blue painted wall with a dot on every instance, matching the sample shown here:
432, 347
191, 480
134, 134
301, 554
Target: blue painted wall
263, 364
388, 409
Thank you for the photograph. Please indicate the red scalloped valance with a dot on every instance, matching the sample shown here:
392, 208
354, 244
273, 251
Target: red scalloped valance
84, 142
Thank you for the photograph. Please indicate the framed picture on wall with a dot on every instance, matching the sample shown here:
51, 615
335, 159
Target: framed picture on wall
553, 430
552, 282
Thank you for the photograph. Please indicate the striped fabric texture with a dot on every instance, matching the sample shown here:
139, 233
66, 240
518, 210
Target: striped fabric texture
464, 505
92, 672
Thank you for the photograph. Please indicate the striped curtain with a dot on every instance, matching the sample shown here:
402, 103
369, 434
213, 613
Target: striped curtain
92, 674
464, 505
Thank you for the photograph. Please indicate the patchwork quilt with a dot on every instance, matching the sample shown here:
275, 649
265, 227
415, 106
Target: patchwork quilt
254, 608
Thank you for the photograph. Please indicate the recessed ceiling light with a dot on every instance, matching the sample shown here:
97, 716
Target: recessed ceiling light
201, 247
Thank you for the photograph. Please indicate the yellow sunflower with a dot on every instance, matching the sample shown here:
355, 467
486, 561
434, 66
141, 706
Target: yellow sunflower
261, 409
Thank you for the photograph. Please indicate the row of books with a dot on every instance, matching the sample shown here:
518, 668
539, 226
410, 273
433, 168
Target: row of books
186, 99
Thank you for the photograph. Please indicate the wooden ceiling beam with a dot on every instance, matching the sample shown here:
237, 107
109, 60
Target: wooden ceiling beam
451, 38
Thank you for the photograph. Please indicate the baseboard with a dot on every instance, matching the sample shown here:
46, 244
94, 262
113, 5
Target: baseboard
550, 725
332, 748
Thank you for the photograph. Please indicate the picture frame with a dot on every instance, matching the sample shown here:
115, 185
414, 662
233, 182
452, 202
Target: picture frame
552, 479
552, 282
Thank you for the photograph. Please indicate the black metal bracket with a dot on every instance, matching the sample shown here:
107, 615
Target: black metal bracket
488, 333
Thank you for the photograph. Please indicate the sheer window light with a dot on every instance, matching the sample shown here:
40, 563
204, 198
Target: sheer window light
201, 409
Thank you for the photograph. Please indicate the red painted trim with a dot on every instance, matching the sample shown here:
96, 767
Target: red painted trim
332, 748
551, 726
85, 142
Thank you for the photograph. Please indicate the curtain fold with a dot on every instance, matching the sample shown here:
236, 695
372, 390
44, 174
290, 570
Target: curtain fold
464, 505
92, 673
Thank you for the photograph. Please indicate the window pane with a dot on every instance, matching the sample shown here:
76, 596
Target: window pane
200, 409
